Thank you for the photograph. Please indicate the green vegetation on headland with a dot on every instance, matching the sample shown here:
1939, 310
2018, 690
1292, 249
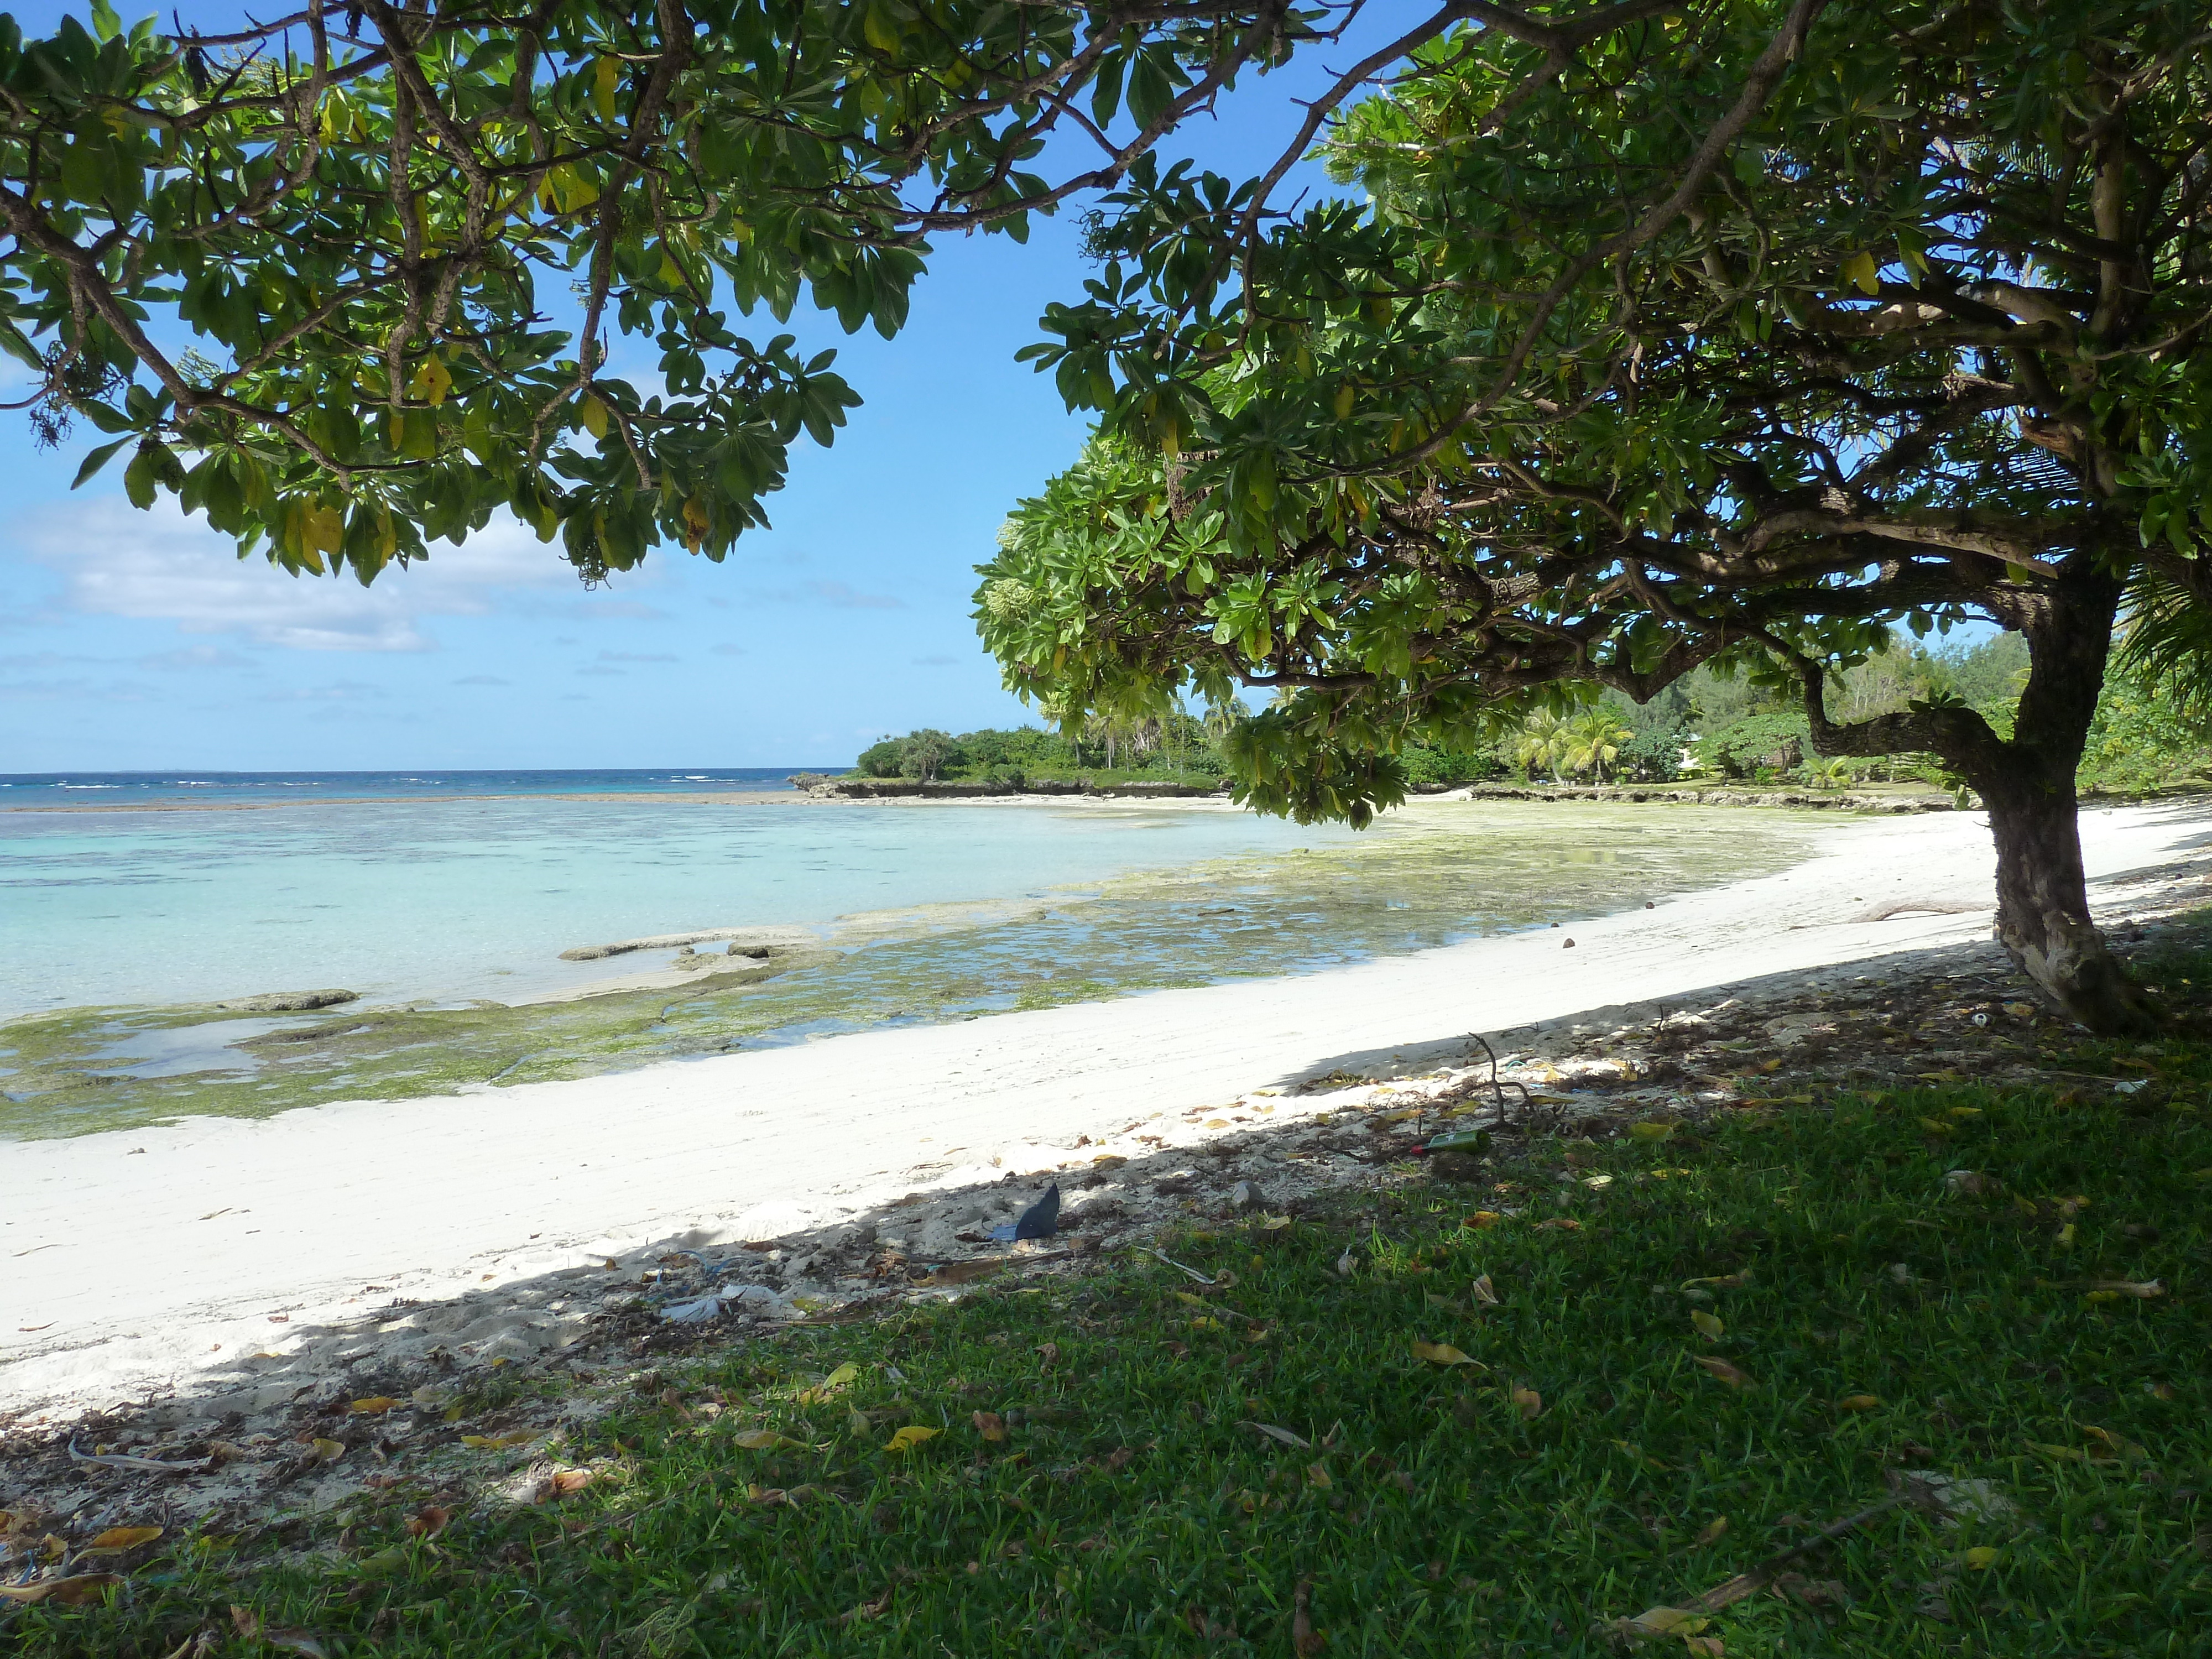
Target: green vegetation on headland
1965, 1320
1705, 728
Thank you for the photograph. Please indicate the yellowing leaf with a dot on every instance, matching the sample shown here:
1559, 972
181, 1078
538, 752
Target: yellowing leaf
2065, 1454
767, 1440
1443, 1353
1318, 1476
1858, 1402
1665, 1621
594, 414
1482, 1218
1859, 269
2113, 1443
990, 1426
1710, 1533
1484, 1292
497, 1442
1273, 1223
432, 381
116, 1539
1707, 1325
910, 1437
1720, 1371
1654, 1132
1529, 1403
72, 1592
374, 1406
604, 75
329, 1450
1982, 1556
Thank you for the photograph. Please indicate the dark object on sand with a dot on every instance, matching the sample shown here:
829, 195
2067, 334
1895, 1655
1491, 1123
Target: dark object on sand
1039, 1220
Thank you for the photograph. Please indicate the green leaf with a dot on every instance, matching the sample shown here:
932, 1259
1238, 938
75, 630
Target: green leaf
97, 460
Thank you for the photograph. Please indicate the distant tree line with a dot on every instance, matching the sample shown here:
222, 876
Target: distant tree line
1705, 725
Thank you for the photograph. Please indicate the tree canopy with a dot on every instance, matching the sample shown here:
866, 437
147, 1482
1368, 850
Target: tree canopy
357, 277
1735, 336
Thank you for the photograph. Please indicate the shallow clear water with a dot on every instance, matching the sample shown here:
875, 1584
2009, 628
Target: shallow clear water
458, 899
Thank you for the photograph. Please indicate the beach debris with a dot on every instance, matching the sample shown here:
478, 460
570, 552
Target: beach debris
699, 1310
1039, 1220
121, 1540
1568, 946
148, 1465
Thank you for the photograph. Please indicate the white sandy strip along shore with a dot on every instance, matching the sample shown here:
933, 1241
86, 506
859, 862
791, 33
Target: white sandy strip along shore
146, 1271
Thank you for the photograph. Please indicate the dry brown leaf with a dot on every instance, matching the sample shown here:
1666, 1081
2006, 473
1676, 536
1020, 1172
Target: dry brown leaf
560, 1484
1721, 1370
1485, 1291
1443, 1353
497, 1442
1277, 1431
963, 1272
1304, 1638
866, 1610
1857, 1402
73, 1591
1318, 1476
990, 1426
1710, 1533
116, 1539
428, 1521
1482, 1218
1529, 1403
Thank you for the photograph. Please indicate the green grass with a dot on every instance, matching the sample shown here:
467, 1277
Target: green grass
1131, 1508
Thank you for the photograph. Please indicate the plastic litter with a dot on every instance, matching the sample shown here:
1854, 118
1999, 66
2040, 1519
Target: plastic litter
709, 1306
1039, 1220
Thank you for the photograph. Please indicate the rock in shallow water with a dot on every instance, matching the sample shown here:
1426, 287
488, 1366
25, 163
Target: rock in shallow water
287, 1002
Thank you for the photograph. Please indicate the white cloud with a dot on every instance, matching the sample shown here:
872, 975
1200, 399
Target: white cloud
117, 562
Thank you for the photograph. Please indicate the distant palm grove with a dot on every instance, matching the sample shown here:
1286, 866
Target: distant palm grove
1702, 726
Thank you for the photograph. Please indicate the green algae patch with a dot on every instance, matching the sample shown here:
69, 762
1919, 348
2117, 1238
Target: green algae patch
1428, 876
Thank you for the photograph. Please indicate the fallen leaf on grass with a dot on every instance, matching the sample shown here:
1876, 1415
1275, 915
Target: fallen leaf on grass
1720, 1370
1708, 1326
1482, 1218
1661, 1621
866, 1610
2106, 1290
1857, 1402
1317, 1476
72, 1592
1529, 1403
1651, 1131
428, 1521
328, 1451
1710, 1533
768, 1440
910, 1437
495, 1442
375, 1405
2064, 1454
990, 1426
1276, 1431
116, 1539
1484, 1292
562, 1483
1273, 1223
1982, 1557
250, 1628
1304, 1638
2113, 1443
1812, 1592
1443, 1353
1734, 1281
1560, 1224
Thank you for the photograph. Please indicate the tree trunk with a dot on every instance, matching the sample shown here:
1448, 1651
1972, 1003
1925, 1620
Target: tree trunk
2043, 907
2027, 785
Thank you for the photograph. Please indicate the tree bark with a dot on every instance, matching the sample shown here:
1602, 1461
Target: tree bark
2027, 783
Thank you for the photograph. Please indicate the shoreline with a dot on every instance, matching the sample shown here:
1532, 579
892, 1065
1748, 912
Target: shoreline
327, 1212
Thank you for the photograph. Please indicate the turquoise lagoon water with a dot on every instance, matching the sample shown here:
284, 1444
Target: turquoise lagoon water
456, 898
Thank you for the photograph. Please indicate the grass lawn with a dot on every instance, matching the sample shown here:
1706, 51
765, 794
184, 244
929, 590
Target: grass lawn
1685, 1353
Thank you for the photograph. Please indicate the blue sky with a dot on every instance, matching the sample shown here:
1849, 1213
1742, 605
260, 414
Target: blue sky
135, 641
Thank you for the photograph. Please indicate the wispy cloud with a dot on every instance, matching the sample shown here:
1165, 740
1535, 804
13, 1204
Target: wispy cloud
637, 656
482, 679
837, 595
726, 649
117, 562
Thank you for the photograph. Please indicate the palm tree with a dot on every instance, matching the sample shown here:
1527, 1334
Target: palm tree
1543, 741
1593, 737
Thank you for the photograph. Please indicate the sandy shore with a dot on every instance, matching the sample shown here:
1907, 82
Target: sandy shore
172, 1258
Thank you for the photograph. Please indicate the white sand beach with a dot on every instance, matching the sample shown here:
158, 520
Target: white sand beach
159, 1259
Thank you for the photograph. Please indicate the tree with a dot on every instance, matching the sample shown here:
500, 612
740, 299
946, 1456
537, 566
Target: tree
299, 271
1543, 741
1594, 740
925, 753
1734, 338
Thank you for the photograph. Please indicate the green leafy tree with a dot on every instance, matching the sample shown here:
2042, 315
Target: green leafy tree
1595, 738
305, 273
926, 753
1735, 336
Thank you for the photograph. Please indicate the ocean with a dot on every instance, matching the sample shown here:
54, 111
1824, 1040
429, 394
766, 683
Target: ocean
130, 904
